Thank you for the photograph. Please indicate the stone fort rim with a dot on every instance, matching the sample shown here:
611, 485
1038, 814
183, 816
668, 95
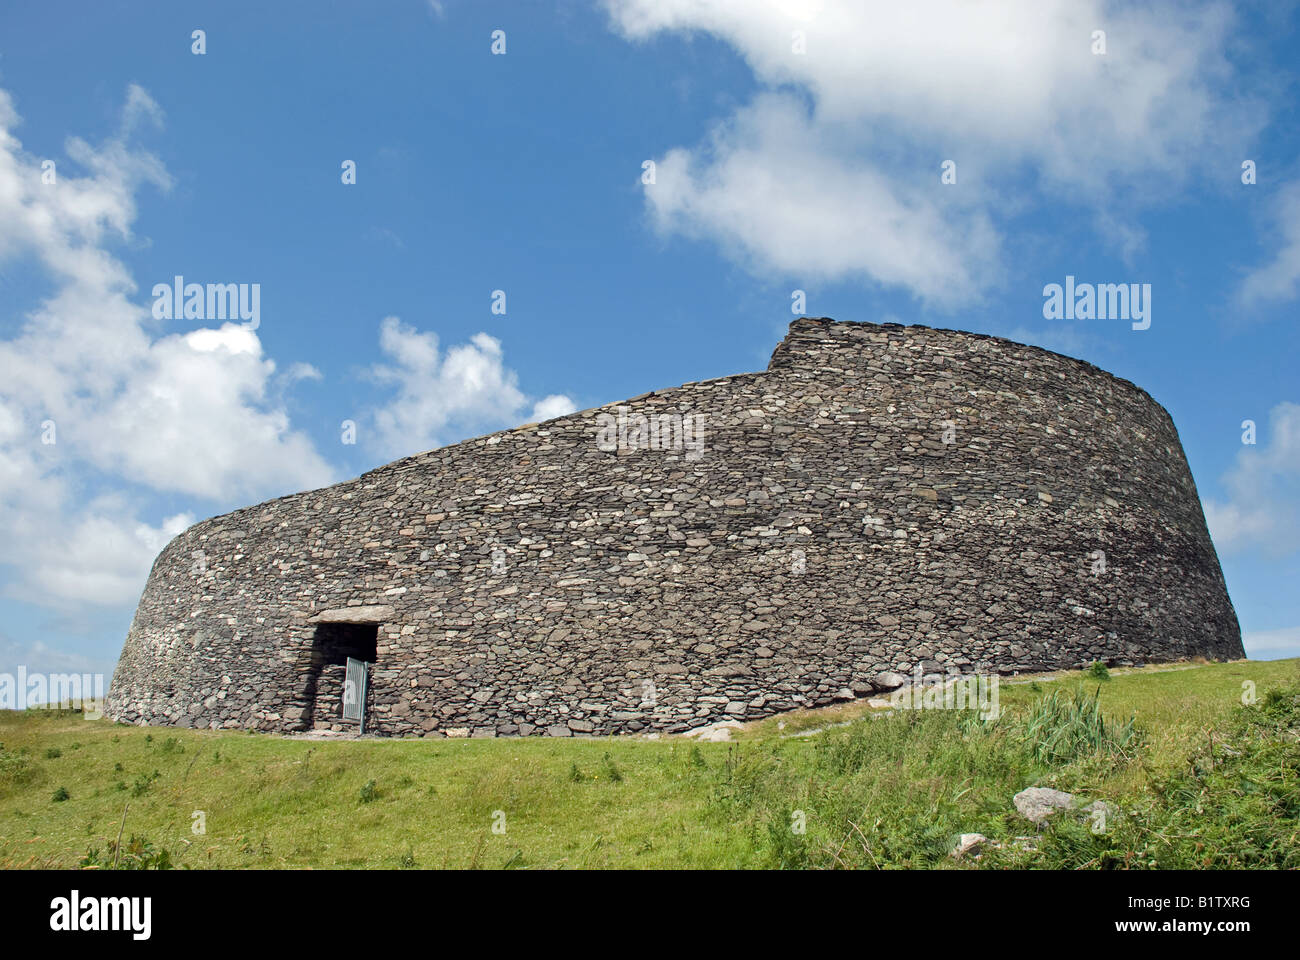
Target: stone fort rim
881, 498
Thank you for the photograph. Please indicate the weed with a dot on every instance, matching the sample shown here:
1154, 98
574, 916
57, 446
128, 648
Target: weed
143, 783
1097, 671
610, 769
138, 854
15, 769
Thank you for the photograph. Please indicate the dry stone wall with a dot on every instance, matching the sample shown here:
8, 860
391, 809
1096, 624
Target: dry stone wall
881, 498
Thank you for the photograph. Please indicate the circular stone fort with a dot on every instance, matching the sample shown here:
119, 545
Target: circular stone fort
881, 500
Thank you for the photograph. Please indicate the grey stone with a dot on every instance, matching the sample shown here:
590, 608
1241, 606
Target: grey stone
1037, 804
968, 843
888, 680
373, 613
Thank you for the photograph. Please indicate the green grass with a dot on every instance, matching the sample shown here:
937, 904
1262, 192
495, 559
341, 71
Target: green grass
1199, 781
1061, 729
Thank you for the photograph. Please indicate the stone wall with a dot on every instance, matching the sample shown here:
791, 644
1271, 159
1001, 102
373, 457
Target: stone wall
882, 497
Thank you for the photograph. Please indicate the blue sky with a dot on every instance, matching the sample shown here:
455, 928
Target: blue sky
775, 170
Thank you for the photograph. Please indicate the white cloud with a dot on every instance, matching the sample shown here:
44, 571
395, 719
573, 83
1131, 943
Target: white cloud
438, 395
139, 108
197, 413
192, 417
1263, 490
772, 191
186, 412
103, 558
302, 371
1272, 644
1011, 91
1279, 279
548, 408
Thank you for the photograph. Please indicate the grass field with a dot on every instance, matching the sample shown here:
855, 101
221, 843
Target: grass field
1202, 782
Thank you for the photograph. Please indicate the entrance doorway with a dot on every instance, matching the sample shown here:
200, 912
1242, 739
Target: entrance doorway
331, 646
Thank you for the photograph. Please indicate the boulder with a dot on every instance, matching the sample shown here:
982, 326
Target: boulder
1038, 803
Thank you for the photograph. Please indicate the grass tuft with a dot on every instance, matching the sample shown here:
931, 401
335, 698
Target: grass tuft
1061, 729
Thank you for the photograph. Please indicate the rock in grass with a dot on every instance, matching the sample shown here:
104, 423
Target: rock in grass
968, 843
1038, 803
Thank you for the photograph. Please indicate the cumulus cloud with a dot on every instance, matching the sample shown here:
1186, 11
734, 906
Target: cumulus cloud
1279, 279
193, 417
770, 189
548, 408
442, 396
97, 413
91, 400
834, 168
103, 558
1263, 490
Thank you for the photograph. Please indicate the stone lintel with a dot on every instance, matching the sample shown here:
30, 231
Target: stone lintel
375, 613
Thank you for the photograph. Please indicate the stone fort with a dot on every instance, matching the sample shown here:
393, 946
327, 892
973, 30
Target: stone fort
881, 499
